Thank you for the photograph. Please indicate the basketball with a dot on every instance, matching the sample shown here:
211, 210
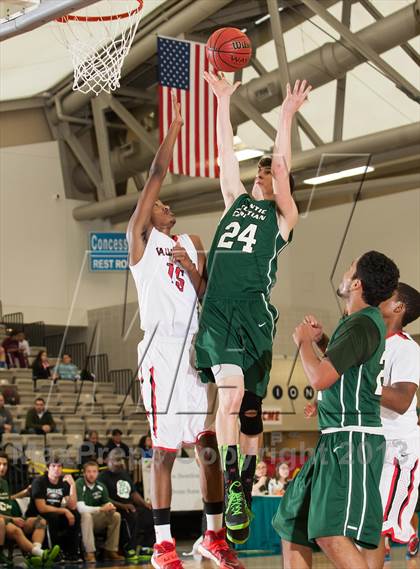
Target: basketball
228, 49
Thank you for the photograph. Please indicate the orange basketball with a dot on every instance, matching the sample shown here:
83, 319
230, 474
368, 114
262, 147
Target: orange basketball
228, 49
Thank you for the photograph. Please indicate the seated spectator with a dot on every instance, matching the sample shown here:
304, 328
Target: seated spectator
39, 421
146, 446
91, 449
136, 515
277, 485
116, 442
29, 533
97, 513
66, 369
260, 485
41, 368
14, 356
6, 419
54, 497
3, 362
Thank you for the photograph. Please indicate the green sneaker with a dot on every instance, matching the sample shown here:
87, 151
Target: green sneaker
34, 562
50, 556
131, 556
236, 511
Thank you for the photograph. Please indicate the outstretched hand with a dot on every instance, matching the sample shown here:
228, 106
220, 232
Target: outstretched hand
220, 85
295, 99
176, 109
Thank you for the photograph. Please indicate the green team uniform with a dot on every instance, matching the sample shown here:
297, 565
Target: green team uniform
337, 491
237, 322
96, 496
6, 505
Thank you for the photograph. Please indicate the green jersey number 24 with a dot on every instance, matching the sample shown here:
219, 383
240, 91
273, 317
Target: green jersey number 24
232, 234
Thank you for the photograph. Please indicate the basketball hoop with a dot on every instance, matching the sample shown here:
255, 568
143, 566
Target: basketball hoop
99, 44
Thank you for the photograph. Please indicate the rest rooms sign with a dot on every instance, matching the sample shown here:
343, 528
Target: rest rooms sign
108, 252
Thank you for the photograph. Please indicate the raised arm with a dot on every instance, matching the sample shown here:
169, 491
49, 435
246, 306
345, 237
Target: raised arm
230, 179
282, 157
139, 226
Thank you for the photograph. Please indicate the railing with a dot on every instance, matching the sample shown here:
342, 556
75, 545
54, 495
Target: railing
124, 383
78, 353
13, 320
35, 333
98, 364
53, 344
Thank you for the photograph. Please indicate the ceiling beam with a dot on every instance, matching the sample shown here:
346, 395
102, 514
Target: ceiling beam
364, 49
340, 91
393, 138
47, 11
375, 13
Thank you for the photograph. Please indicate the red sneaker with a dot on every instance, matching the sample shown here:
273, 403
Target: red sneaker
413, 546
215, 547
165, 556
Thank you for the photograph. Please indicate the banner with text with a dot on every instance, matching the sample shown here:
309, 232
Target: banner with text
108, 251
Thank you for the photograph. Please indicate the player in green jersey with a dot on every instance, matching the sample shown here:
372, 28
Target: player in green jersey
334, 502
237, 325
29, 533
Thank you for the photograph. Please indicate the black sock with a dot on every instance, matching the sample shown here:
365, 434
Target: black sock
247, 476
162, 516
230, 463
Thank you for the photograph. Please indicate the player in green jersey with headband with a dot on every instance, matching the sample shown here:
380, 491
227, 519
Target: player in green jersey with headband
334, 502
237, 325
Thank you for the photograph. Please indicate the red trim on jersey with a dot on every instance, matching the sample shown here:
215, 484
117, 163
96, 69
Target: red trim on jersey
203, 434
395, 478
399, 333
153, 387
390, 533
410, 490
165, 448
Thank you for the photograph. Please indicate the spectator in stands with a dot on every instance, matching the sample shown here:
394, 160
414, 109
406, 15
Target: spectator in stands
66, 369
29, 533
260, 485
3, 362
24, 346
39, 421
54, 497
136, 515
146, 446
277, 485
116, 442
41, 368
14, 356
97, 513
6, 419
91, 449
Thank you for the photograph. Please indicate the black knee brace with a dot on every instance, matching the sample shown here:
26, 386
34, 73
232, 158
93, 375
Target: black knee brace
250, 414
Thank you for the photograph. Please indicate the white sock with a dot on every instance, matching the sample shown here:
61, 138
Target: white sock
37, 550
214, 522
163, 533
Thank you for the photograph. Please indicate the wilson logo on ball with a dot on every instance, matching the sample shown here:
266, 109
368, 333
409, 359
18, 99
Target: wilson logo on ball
228, 49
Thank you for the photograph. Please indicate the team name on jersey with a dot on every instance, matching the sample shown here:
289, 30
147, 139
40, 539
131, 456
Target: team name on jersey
250, 210
164, 251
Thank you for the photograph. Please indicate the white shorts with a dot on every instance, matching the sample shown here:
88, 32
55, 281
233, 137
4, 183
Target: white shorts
399, 488
180, 408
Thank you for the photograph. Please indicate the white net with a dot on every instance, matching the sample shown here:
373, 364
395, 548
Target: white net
98, 44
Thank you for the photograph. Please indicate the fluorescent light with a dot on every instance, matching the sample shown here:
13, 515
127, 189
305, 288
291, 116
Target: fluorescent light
262, 19
248, 153
339, 175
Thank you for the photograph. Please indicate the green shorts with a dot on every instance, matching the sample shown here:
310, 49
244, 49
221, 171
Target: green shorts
237, 332
336, 493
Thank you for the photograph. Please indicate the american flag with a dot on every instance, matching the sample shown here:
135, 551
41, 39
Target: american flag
181, 67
